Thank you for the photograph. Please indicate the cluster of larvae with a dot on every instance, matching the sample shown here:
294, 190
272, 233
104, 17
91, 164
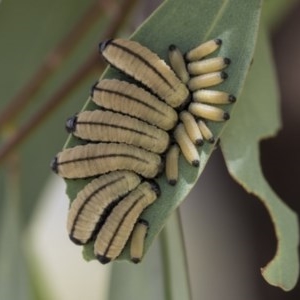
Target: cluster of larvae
138, 132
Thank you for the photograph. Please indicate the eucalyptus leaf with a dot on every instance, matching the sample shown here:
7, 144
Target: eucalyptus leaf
188, 23
256, 117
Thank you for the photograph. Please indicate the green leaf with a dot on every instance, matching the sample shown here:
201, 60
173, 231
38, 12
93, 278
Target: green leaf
188, 23
257, 117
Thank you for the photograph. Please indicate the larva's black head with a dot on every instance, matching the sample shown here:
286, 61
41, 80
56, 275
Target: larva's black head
218, 41
71, 124
211, 140
76, 241
226, 116
227, 61
54, 165
231, 98
172, 47
172, 182
104, 44
155, 187
144, 222
136, 260
224, 75
103, 259
196, 163
199, 142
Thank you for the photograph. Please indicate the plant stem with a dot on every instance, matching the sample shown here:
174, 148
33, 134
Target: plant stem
52, 62
176, 271
59, 96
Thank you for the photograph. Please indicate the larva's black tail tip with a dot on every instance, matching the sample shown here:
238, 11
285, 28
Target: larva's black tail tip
218, 41
195, 163
71, 124
136, 260
226, 116
104, 44
155, 187
103, 259
172, 47
172, 182
231, 98
54, 165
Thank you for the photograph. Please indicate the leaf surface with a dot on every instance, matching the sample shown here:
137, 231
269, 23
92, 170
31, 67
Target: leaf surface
188, 23
256, 117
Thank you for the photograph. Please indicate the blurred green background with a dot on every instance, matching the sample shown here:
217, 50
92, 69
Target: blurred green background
234, 237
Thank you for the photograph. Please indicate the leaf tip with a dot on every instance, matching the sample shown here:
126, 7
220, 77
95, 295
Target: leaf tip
286, 279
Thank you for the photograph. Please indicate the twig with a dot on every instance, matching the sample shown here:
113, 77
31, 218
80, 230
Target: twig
57, 98
52, 62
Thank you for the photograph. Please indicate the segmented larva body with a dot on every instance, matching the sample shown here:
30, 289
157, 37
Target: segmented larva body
90, 208
115, 232
138, 237
199, 73
90, 160
129, 99
108, 126
146, 67
138, 131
